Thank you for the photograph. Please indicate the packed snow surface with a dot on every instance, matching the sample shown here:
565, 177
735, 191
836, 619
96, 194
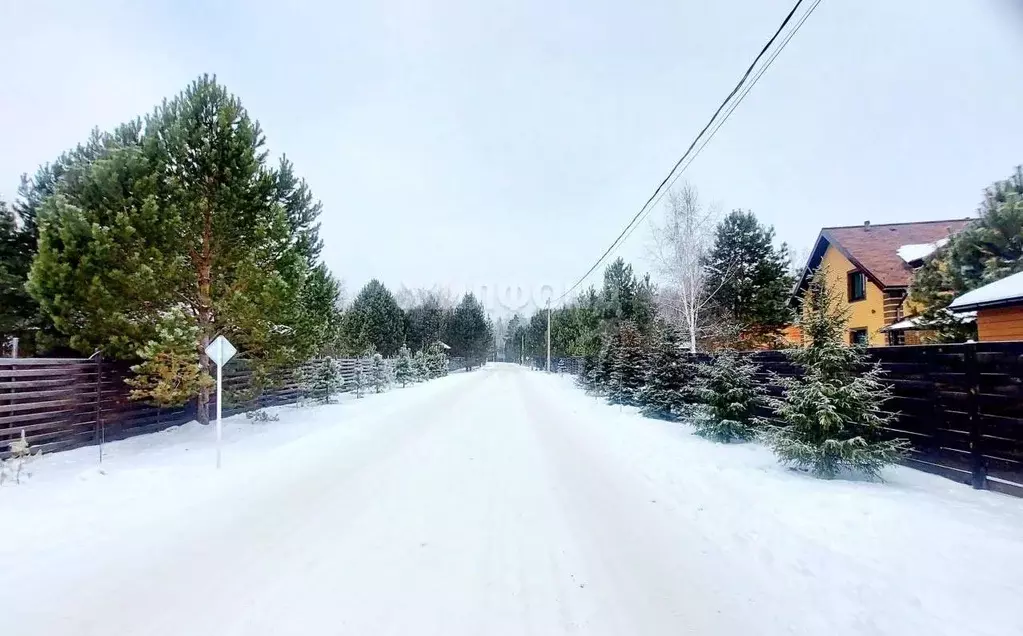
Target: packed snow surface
504, 501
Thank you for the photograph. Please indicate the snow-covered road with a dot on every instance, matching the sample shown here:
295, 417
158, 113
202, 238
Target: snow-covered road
502, 501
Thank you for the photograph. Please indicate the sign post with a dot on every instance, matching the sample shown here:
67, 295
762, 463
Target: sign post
220, 351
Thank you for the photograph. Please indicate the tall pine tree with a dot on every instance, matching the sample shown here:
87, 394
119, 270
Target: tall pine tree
177, 213
467, 331
832, 413
749, 278
373, 319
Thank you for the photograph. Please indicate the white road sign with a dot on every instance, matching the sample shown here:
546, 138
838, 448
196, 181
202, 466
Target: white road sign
220, 351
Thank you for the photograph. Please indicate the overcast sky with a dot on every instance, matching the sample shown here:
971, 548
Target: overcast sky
505, 143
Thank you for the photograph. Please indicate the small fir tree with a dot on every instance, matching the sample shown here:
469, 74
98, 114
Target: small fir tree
628, 368
360, 375
601, 372
730, 397
403, 367
832, 413
436, 361
666, 390
322, 380
587, 372
379, 373
170, 372
420, 368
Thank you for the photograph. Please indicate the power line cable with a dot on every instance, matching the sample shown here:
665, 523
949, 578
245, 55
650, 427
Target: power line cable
728, 113
689, 150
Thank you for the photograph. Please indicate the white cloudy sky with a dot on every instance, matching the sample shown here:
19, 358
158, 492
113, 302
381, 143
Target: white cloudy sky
505, 143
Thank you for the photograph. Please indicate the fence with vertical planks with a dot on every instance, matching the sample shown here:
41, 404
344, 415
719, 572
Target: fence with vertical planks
959, 405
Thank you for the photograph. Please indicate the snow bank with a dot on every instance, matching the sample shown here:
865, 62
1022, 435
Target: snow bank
900, 557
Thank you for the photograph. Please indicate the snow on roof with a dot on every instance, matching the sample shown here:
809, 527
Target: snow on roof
913, 322
1001, 292
919, 251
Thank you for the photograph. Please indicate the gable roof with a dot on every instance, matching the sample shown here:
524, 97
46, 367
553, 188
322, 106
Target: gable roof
874, 249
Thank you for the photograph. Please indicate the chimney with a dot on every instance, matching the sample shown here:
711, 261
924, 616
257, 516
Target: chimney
866, 226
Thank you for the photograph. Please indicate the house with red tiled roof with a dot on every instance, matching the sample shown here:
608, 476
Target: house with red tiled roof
871, 266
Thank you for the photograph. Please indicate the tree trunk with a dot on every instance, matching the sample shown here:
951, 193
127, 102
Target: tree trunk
204, 312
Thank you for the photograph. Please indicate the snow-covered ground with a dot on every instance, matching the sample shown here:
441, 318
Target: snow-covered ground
503, 501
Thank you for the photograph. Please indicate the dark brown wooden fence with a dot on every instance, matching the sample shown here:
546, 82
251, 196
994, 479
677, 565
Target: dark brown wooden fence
67, 403
959, 405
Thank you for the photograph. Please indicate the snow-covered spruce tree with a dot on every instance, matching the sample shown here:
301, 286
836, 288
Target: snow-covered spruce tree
730, 396
403, 371
420, 368
832, 413
601, 372
587, 372
360, 376
436, 361
628, 368
322, 380
666, 390
379, 373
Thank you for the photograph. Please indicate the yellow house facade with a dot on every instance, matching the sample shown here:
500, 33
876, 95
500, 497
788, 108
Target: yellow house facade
870, 267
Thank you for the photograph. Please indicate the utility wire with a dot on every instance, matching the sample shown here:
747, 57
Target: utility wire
728, 113
689, 150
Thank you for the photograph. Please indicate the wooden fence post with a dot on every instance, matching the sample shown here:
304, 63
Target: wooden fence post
978, 467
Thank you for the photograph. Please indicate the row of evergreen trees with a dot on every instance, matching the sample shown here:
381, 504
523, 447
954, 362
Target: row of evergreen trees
746, 293
828, 419
322, 380
376, 320
147, 241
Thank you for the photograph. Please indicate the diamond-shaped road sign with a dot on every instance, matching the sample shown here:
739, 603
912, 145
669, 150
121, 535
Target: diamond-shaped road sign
220, 351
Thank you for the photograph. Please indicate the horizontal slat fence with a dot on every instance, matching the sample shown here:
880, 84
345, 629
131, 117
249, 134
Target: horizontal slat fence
959, 405
66, 403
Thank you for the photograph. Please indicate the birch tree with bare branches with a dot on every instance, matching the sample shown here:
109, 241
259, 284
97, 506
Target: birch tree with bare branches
679, 248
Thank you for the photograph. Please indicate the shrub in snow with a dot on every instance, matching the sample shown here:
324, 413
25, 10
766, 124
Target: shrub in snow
380, 374
321, 380
21, 454
261, 416
730, 396
833, 412
403, 367
666, 390
628, 367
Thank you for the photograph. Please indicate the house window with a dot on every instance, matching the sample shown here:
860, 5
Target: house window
857, 286
896, 338
858, 336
